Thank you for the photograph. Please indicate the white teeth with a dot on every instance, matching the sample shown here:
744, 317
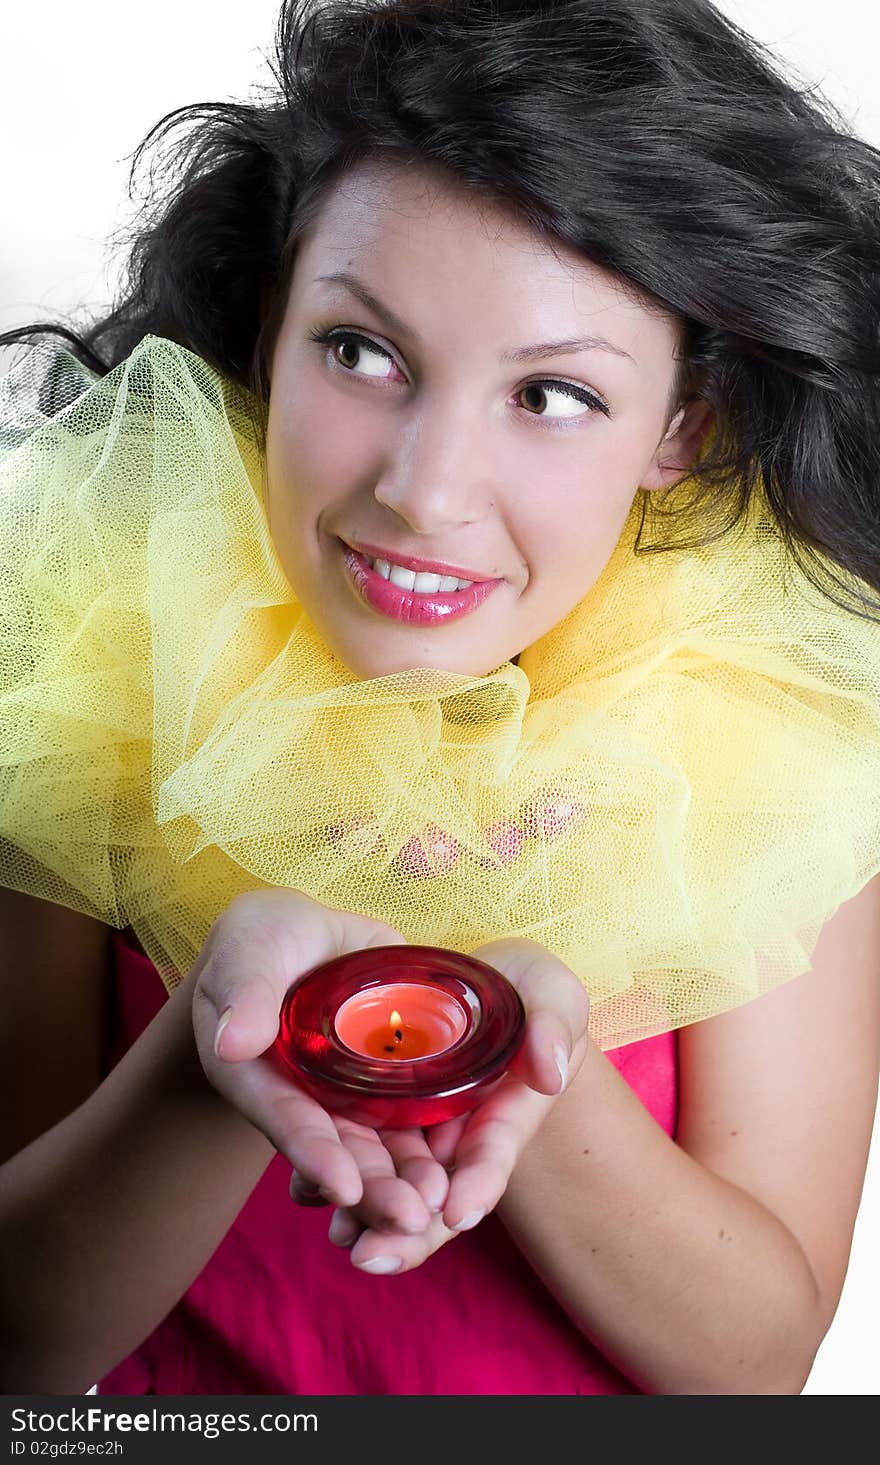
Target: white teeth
404, 578
423, 583
426, 584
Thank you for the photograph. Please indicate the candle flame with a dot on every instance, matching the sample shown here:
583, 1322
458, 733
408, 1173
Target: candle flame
395, 1019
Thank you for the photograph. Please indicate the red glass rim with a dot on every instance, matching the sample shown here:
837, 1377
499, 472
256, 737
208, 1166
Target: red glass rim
307, 1039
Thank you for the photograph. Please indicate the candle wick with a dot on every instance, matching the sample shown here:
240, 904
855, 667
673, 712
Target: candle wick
398, 1035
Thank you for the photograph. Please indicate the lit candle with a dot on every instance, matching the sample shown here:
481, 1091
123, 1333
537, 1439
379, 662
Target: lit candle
417, 1049
400, 1020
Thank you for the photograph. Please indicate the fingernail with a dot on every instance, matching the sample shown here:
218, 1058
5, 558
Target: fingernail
561, 1057
224, 1019
468, 1222
381, 1265
340, 1231
302, 1190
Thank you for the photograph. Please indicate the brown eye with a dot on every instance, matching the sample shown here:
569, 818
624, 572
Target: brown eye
346, 349
356, 353
537, 394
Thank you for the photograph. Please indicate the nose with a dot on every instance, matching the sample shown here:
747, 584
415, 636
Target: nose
436, 480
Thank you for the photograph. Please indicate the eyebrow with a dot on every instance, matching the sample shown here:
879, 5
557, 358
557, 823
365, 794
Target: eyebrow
567, 347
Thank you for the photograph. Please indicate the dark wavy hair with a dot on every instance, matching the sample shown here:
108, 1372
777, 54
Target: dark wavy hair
658, 139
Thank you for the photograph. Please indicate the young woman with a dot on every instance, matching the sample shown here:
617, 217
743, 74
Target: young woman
596, 340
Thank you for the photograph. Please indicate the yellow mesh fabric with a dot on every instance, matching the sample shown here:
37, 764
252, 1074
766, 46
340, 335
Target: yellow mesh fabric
673, 790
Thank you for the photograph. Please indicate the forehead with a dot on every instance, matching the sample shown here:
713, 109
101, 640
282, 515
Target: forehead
407, 226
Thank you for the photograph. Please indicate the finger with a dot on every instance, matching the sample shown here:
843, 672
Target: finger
383, 1255
304, 1193
416, 1164
410, 1146
481, 1175
443, 1138
344, 1228
557, 1011
294, 1124
388, 1202
544, 1060
487, 1153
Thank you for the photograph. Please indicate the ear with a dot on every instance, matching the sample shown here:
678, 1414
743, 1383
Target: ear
679, 446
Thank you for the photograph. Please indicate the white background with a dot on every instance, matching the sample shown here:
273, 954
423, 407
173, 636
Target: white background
80, 84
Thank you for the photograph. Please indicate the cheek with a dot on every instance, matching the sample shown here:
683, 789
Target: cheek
314, 453
569, 531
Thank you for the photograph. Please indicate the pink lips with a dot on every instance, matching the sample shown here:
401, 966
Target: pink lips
407, 605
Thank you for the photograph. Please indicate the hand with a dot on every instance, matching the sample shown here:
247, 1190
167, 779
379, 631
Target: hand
481, 1149
253, 955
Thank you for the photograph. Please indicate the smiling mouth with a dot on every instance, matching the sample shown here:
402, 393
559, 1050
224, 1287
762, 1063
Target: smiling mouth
415, 597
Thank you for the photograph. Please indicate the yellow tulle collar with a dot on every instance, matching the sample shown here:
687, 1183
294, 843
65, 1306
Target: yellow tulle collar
672, 791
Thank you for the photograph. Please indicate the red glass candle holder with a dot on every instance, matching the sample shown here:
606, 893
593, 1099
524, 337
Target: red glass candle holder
395, 1036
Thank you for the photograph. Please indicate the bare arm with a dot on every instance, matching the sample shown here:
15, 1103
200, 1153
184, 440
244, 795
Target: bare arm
108, 1217
714, 1265
53, 1016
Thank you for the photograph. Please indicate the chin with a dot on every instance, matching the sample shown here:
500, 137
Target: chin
369, 667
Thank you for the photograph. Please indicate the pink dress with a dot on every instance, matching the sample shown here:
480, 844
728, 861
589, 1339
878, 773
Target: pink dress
278, 1310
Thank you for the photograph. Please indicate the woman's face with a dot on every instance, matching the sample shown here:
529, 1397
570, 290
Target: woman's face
440, 432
